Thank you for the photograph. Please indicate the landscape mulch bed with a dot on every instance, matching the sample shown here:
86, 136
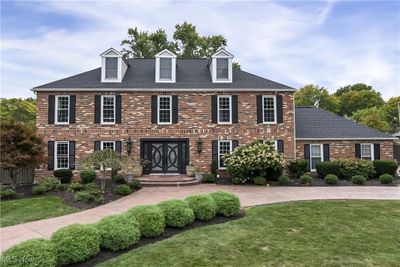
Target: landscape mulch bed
169, 232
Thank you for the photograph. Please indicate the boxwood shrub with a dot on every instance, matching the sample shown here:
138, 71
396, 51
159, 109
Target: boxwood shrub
203, 206
122, 190
358, 179
306, 179
227, 204
284, 180
76, 243
7, 193
386, 179
36, 252
331, 179
64, 175
327, 167
259, 180
177, 213
297, 167
385, 167
38, 189
150, 218
118, 232
87, 175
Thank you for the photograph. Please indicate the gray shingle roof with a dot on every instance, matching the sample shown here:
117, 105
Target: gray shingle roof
315, 123
190, 74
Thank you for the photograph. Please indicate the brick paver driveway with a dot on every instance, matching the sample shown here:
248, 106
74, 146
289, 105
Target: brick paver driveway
249, 196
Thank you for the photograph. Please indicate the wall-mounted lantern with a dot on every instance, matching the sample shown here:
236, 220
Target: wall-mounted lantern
199, 145
128, 144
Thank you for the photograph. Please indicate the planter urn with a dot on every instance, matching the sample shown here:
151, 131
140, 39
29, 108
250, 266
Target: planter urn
137, 171
190, 170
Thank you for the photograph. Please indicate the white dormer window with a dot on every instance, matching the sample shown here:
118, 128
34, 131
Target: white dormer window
113, 66
221, 67
165, 67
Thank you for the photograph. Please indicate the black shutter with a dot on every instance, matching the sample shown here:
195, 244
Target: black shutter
72, 155
280, 146
154, 109
358, 151
307, 154
377, 151
97, 109
51, 110
96, 145
50, 154
326, 152
215, 150
118, 109
234, 109
118, 146
279, 109
72, 108
259, 109
235, 144
174, 109
214, 109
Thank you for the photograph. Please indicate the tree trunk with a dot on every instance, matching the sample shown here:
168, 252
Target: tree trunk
103, 180
13, 180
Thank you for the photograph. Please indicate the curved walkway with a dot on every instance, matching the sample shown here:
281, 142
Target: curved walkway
249, 196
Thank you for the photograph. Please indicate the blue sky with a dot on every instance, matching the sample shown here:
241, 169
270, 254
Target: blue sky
329, 43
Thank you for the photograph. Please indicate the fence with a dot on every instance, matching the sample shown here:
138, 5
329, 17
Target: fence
24, 176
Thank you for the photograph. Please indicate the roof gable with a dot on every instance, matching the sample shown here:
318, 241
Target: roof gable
111, 52
222, 53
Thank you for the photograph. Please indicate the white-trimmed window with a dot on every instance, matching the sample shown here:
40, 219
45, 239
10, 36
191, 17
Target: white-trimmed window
61, 159
224, 109
274, 141
62, 109
269, 108
164, 113
316, 155
108, 109
224, 146
107, 145
111, 68
222, 68
367, 151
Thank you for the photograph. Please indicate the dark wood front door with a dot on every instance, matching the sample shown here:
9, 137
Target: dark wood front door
165, 155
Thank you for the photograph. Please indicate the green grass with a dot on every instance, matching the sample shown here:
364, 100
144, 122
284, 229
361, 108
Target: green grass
318, 233
32, 209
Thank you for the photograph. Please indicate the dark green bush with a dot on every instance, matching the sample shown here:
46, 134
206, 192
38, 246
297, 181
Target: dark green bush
208, 178
38, 189
7, 193
214, 167
64, 175
84, 196
298, 167
284, 180
358, 179
76, 243
50, 183
227, 204
61, 187
306, 179
74, 187
150, 218
32, 253
87, 175
118, 232
177, 213
328, 167
259, 180
272, 174
119, 179
203, 206
122, 190
135, 185
331, 179
352, 166
386, 179
385, 167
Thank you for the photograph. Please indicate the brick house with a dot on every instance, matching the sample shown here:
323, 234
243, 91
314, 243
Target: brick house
177, 110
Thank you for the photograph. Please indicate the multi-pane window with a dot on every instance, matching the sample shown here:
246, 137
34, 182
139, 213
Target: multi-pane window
367, 151
62, 155
111, 67
164, 109
108, 145
224, 109
62, 109
224, 146
165, 68
108, 109
269, 109
315, 155
222, 68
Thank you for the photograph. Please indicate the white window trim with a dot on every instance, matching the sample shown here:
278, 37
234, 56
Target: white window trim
170, 109
56, 154
372, 150
165, 54
275, 142
122, 66
230, 109
263, 108
56, 110
219, 153
102, 144
321, 157
102, 100
222, 53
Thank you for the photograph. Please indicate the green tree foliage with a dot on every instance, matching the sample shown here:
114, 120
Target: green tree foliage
392, 111
373, 117
17, 109
357, 87
313, 95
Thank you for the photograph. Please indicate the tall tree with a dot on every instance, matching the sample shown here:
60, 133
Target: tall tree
373, 117
21, 110
316, 96
353, 87
392, 110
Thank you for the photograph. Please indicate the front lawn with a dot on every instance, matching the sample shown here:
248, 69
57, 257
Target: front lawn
318, 233
32, 209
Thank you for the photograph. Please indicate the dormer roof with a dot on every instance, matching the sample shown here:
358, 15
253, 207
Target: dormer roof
222, 53
165, 53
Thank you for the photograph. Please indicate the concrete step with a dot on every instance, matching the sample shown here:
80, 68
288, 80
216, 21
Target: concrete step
169, 183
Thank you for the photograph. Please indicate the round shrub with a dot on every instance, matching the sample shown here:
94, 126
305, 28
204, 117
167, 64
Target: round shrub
331, 179
358, 179
208, 178
150, 218
284, 180
177, 213
38, 190
50, 183
122, 190
227, 204
84, 196
259, 180
385, 167
119, 179
64, 175
74, 187
87, 175
61, 187
386, 179
306, 179
135, 185
273, 174
328, 167
76, 243
203, 206
32, 253
7, 193
118, 232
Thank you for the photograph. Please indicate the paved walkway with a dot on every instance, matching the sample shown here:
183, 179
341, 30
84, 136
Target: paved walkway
249, 196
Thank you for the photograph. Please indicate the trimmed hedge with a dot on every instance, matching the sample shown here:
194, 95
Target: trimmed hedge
331, 179
297, 167
118, 232
122, 190
150, 218
386, 179
208, 178
64, 175
87, 175
38, 189
76, 243
306, 179
203, 206
327, 167
259, 180
227, 204
7, 193
177, 213
36, 252
358, 179
385, 167
284, 180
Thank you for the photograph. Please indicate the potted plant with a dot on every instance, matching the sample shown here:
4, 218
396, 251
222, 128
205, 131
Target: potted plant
134, 167
190, 170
